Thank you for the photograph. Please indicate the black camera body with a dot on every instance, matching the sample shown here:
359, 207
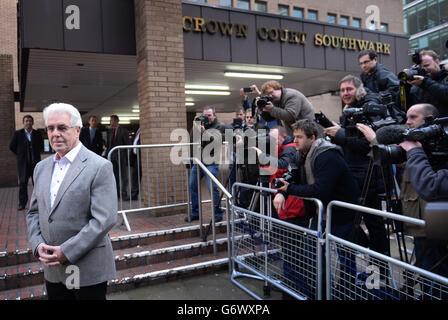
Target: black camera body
257, 108
433, 137
263, 101
203, 118
291, 176
415, 70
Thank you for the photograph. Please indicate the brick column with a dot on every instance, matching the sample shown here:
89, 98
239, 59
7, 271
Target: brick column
161, 88
8, 167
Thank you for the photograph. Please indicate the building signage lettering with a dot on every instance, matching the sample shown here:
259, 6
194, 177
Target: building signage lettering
196, 24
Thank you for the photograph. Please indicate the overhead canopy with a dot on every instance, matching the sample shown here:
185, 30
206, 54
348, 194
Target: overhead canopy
84, 52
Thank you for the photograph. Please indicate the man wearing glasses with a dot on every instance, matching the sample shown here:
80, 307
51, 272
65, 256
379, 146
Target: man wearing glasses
376, 77
72, 209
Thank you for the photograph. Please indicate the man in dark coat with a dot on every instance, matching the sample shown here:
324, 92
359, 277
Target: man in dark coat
27, 144
375, 76
90, 136
118, 136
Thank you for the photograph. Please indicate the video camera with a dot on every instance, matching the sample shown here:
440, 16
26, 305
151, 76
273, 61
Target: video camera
291, 176
415, 70
321, 119
433, 137
373, 115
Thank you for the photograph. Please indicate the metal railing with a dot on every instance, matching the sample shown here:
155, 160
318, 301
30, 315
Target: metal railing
284, 255
357, 273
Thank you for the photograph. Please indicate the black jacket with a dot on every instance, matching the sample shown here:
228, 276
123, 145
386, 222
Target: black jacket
382, 80
20, 146
333, 181
433, 90
430, 185
97, 144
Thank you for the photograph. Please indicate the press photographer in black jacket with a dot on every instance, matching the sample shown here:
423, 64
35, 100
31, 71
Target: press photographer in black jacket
433, 88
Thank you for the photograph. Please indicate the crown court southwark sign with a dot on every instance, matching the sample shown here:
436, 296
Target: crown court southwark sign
200, 25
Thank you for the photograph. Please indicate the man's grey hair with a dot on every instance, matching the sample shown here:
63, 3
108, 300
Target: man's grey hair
75, 116
209, 108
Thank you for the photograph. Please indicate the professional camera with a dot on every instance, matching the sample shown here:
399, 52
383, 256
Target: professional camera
203, 118
257, 108
433, 137
415, 70
291, 176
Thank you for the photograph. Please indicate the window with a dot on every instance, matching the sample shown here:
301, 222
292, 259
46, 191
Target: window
260, 6
384, 27
244, 4
298, 13
356, 22
372, 25
225, 3
331, 18
343, 20
312, 14
200, 1
283, 10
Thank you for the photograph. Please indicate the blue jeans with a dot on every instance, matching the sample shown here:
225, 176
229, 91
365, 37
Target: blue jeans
194, 190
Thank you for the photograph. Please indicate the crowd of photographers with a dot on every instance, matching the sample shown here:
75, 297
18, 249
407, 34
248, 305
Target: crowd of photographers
390, 147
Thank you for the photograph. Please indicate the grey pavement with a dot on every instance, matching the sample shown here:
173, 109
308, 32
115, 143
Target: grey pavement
213, 286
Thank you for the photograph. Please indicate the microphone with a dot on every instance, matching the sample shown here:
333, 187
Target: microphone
390, 134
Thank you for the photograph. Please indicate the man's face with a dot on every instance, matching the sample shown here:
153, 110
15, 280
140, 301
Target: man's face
210, 115
93, 122
303, 143
28, 123
348, 92
63, 137
430, 65
239, 114
113, 123
250, 121
274, 94
415, 117
367, 64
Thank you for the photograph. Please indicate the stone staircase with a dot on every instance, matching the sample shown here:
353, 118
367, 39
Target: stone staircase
141, 260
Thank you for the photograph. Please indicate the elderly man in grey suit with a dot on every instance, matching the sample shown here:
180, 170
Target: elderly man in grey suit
72, 209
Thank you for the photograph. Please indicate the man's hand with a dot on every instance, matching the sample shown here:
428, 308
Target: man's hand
255, 89
268, 107
279, 202
408, 145
331, 131
51, 255
366, 131
418, 80
259, 152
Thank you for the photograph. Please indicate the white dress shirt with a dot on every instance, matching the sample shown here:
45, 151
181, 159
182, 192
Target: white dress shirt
60, 168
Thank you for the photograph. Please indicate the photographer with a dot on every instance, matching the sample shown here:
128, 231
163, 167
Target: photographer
208, 125
433, 88
324, 175
430, 185
375, 76
285, 104
356, 149
431, 255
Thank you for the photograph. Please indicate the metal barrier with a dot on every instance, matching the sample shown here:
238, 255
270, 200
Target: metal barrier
357, 273
166, 183
284, 255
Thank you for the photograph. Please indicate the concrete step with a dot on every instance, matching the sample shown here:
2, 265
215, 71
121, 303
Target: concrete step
135, 257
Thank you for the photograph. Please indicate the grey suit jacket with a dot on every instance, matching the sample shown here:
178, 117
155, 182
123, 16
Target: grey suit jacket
84, 211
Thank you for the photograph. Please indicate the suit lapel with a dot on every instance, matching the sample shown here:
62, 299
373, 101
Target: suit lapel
73, 172
46, 182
